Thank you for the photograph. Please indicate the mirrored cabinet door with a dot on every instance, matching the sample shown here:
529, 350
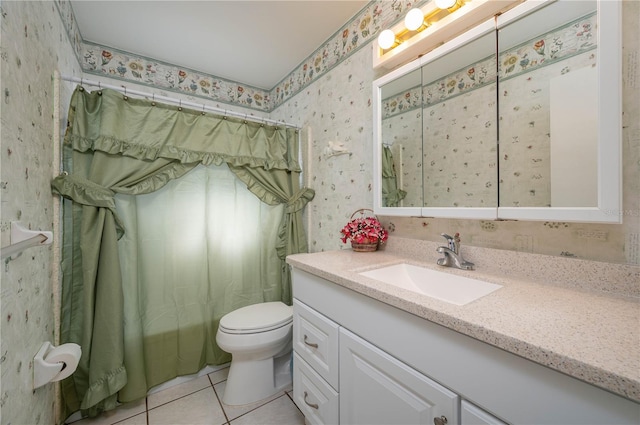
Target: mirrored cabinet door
401, 132
397, 142
559, 111
436, 119
459, 127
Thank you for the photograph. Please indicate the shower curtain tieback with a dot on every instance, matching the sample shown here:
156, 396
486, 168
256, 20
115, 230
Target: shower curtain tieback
132, 146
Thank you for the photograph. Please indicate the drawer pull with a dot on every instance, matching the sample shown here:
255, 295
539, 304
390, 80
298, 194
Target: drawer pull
312, 405
442, 420
310, 344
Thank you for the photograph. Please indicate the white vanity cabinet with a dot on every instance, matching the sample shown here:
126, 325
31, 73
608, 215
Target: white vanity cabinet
375, 363
378, 389
371, 387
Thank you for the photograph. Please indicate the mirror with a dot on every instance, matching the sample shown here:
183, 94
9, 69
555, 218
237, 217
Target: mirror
550, 148
459, 130
401, 132
560, 112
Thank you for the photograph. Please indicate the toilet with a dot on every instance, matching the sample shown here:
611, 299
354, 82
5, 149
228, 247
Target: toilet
259, 338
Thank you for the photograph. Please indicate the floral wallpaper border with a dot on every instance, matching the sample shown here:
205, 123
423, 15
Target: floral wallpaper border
403, 102
103, 60
574, 38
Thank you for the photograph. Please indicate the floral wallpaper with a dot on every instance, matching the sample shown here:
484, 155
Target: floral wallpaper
34, 44
459, 150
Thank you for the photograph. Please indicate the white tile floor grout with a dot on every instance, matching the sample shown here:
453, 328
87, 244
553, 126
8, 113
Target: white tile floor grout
199, 402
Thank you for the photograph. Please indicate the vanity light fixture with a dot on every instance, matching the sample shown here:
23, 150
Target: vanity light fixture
414, 19
446, 4
426, 27
387, 39
417, 20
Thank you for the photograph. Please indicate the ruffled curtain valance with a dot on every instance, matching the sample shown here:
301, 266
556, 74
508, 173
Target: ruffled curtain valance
109, 122
135, 146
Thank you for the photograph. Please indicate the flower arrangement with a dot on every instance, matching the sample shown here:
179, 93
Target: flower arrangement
364, 230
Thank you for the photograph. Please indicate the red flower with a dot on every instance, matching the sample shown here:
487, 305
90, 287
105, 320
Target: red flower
364, 230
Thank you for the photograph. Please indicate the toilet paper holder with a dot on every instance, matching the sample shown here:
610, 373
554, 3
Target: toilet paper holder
46, 371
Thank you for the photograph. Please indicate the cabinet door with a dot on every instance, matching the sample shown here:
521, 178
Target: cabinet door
471, 414
315, 339
314, 397
376, 388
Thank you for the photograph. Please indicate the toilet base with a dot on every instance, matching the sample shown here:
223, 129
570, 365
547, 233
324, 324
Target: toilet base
253, 380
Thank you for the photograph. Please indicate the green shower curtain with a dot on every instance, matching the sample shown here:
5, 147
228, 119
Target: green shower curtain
391, 195
135, 146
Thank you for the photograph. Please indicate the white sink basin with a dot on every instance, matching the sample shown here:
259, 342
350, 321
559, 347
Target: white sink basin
447, 287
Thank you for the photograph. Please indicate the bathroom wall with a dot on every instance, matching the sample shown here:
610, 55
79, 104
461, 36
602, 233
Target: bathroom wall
337, 107
34, 44
334, 107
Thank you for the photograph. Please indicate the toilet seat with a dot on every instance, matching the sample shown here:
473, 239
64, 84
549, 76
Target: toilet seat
257, 318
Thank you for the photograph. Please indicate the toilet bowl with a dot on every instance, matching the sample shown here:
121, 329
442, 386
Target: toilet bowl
259, 338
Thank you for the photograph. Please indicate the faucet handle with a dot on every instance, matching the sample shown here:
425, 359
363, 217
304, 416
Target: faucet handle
447, 237
451, 242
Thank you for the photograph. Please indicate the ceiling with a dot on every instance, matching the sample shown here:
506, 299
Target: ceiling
257, 42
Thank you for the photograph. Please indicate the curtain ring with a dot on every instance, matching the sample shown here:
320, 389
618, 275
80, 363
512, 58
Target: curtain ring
180, 105
225, 115
99, 88
203, 109
245, 119
125, 97
81, 82
153, 99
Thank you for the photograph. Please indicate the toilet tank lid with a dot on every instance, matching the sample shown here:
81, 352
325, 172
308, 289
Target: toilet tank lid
258, 316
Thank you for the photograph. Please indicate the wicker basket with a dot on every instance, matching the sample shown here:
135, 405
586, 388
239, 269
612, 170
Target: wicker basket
364, 247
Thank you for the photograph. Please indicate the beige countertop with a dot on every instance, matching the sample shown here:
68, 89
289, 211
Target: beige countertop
588, 334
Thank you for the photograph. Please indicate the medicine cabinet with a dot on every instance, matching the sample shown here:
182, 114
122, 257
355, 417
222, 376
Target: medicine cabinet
518, 118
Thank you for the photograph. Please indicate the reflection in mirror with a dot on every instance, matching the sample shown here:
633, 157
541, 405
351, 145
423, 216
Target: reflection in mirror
459, 145
401, 133
548, 129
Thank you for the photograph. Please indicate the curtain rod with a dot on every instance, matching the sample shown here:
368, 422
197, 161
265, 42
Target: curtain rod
202, 106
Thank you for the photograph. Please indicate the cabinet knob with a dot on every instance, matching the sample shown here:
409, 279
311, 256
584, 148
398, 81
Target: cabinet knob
442, 420
310, 344
312, 405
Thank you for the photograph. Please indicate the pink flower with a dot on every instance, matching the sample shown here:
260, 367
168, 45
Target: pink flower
364, 230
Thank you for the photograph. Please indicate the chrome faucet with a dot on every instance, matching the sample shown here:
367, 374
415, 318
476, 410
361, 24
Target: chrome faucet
452, 256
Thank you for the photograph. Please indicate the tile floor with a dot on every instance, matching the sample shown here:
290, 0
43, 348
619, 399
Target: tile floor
199, 402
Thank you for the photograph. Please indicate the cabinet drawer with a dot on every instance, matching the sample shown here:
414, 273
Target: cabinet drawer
315, 339
314, 397
378, 389
471, 414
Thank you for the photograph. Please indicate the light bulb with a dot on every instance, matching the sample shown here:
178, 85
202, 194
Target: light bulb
386, 39
445, 4
414, 19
